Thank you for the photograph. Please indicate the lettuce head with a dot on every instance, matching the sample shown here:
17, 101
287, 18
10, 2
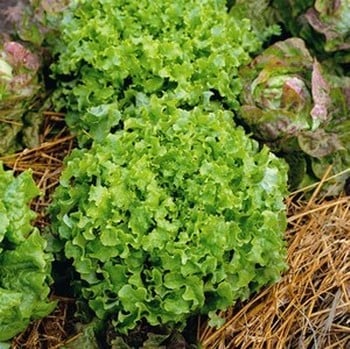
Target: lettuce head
176, 214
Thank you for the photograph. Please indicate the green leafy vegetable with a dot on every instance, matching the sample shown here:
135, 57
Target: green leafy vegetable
332, 19
23, 63
299, 109
324, 24
110, 51
261, 14
24, 266
284, 92
177, 213
335, 134
35, 21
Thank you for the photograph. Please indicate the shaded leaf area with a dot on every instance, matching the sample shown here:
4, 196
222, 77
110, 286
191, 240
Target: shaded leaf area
45, 163
24, 77
323, 24
6, 25
147, 337
51, 331
31, 21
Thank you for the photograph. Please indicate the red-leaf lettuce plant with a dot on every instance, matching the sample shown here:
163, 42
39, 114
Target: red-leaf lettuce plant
293, 104
20, 91
324, 24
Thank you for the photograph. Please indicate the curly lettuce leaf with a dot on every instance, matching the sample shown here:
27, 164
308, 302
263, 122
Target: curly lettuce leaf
111, 52
24, 287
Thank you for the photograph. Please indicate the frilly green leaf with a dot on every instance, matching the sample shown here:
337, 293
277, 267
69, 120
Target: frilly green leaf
112, 54
24, 265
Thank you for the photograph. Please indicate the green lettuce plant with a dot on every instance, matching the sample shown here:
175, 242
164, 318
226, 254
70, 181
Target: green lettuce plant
24, 265
175, 214
110, 51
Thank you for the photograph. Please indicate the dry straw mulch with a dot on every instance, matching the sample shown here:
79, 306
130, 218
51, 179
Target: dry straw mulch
46, 160
308, 308
51, 332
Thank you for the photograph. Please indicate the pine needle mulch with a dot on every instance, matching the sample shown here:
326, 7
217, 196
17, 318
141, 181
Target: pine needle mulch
308, 308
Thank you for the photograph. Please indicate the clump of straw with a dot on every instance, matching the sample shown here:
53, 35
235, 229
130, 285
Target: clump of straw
45, 161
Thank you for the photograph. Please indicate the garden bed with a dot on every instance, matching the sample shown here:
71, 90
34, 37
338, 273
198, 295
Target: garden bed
167, 110
308, 308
